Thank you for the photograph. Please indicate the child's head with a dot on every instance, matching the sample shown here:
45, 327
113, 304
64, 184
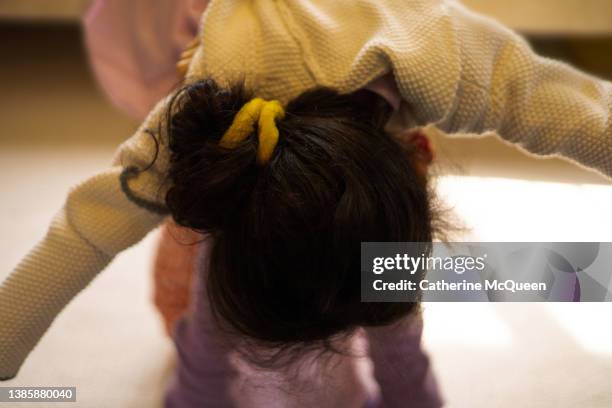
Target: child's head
284, 267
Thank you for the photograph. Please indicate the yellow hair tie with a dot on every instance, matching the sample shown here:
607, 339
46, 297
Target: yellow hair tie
262, 112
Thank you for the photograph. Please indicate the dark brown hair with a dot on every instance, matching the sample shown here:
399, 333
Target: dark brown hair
284, 267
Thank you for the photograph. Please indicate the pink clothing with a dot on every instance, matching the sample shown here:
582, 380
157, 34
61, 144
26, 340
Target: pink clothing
173, 271
134, 46
133, 50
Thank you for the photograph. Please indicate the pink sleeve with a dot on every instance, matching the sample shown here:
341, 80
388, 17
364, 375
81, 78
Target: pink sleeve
401, 367
134, 45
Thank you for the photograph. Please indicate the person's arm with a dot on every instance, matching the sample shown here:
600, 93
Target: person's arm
205, 370
102, 216
401, 367
545, 106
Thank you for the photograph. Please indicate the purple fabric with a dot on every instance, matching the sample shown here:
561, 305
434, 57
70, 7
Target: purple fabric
401, 367
209, 373
204, 372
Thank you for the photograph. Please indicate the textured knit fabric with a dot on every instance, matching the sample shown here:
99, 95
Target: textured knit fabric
125, 50
453, 68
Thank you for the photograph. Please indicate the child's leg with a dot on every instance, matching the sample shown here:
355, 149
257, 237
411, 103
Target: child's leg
173, 271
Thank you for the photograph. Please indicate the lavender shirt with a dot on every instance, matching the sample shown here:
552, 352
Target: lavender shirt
388, 368
133, 48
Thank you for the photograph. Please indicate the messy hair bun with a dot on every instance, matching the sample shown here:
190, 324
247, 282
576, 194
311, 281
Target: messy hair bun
284, 264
